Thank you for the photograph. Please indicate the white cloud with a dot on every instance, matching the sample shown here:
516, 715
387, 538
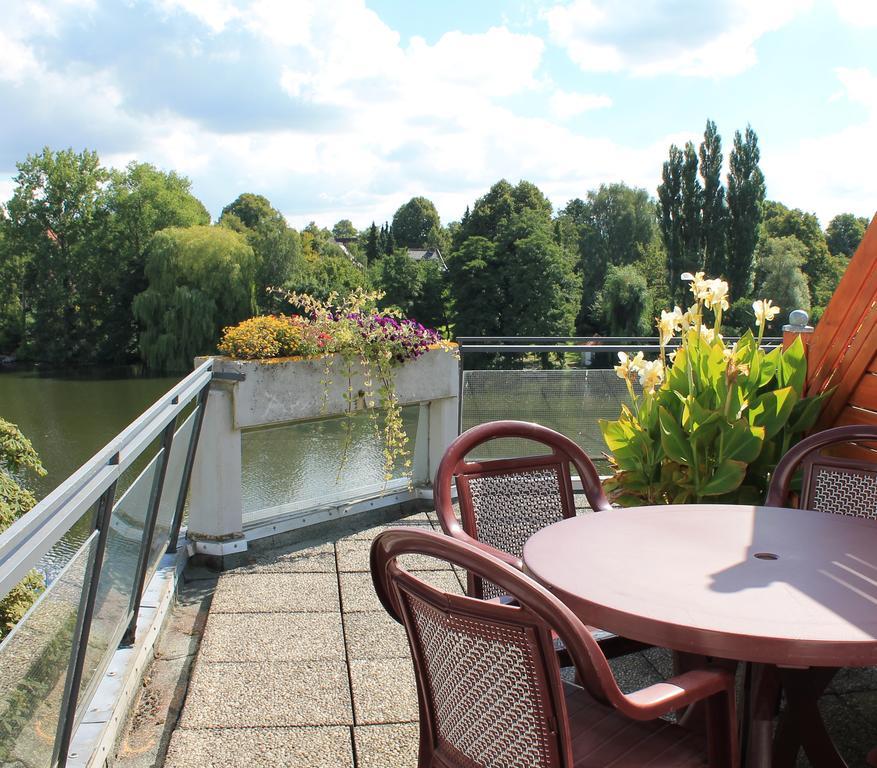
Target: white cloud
564, 104
653, 37
215, 14
834, 173
857, 13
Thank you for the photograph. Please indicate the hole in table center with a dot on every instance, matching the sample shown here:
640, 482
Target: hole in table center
766, 556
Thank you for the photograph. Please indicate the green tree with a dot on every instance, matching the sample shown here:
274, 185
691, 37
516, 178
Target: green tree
539, 284
499, 204
430, 307
140, 200
331, 273
821, 268
371, 248
54, 211
745, 196
670, 218
692, 212
414, 223
344, 229
844, 233
276, 246
616, 227
17, 456
780, 277
12, 266
624, 305
399, 278
200, 279
714, 212
475, 289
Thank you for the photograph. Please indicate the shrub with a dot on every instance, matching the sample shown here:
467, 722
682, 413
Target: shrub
262, 337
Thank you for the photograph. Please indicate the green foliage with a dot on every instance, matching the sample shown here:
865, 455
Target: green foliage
12, 267
714, 213
53, 210
276, 247
416, 223
844, 233
500, 203
745, 197
397, 276
140, 201
670, 217
371, 248
714, 426
615, 226
779, 275
624, 306
17, 456
199, 279
475, 290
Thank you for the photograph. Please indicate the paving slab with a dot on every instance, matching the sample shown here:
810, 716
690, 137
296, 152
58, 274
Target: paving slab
374, 635
275, 593
384, 691
261, 748
387, 746
311, 557
273, 637
420, 521
229, 695
353, 555
633, 672
358, 592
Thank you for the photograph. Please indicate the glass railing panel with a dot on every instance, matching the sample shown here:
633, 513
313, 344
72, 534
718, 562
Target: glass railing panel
571, 401
308, 461
171, 489
116, 584
34, 660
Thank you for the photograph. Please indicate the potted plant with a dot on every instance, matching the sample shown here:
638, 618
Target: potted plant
710, 420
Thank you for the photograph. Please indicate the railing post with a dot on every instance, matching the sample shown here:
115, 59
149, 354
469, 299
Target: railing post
215, 510
183, 490
155, 492
83, 628
797, 327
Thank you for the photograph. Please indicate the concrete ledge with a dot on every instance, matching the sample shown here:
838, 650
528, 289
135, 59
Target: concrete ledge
94, 740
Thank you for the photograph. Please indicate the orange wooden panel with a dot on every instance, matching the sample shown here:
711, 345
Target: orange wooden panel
848, 313
865, 393
849, 371
851, 415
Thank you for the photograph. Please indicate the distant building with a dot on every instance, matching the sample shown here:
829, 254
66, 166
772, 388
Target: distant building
428, 254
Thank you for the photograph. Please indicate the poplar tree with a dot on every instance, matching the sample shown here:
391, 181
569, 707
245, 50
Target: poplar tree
691, 227
371, 248
745, 196
670, 217
715, 214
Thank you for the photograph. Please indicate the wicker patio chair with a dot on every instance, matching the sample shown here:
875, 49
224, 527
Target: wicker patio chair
489, 688
505, 501
835, 484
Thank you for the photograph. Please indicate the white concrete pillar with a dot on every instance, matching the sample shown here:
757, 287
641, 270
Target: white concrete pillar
442, 430
215, 508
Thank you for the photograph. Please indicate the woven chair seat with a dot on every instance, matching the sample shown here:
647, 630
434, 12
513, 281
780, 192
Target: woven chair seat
601, 736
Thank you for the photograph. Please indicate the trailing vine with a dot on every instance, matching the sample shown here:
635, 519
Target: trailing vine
352, 331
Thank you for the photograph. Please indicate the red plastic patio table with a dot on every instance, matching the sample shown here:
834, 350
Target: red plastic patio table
784, 588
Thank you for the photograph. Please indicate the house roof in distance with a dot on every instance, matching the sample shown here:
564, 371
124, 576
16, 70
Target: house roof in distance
427, 254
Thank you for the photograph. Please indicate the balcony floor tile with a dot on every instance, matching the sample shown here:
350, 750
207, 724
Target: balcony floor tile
275, 593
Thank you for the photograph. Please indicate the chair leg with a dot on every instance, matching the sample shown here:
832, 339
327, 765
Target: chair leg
721, 728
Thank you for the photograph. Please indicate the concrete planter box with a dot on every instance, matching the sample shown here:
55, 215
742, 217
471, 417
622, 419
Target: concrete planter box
292, 389
254, 393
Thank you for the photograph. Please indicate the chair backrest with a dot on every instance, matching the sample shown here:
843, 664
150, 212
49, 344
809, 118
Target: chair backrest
505, 501
829, 483
488, 683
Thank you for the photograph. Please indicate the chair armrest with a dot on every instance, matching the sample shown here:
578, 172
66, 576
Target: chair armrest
677, 692
458, 533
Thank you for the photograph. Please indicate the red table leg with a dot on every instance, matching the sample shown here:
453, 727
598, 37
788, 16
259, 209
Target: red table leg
763, 700
801, 724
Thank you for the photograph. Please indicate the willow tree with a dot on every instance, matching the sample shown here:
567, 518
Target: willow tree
201, 279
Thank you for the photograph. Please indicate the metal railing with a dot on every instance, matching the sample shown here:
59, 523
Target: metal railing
54, 657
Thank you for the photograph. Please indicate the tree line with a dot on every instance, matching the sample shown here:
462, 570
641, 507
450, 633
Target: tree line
102, 266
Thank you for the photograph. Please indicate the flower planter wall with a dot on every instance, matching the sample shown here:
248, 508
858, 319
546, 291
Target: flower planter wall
250, 393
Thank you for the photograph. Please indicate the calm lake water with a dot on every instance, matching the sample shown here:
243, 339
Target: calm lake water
68, 418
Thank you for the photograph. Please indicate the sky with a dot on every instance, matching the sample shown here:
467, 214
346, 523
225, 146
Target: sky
345, 109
